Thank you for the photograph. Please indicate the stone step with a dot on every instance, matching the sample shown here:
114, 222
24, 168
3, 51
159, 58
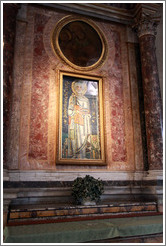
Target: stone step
68, 212
86, 231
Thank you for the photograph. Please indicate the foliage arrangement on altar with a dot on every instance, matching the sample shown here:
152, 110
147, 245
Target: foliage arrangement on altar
87, 190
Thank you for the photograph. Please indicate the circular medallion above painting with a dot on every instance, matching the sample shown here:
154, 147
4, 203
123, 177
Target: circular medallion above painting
79, 43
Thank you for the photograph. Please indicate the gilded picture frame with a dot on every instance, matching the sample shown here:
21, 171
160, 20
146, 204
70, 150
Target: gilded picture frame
81, 126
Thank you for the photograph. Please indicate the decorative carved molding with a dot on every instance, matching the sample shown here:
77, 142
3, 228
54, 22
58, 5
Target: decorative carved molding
146, 25
12, 5
146, 19
115, 12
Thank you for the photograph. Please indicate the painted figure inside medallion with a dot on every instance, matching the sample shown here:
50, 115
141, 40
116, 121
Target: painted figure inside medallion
80, 43
80, 136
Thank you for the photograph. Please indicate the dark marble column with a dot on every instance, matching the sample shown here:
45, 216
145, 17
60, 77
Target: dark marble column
9, 27
146, 29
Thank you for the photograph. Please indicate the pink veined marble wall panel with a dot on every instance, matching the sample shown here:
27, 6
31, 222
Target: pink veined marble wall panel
38, 137
117, 101
119, 152
35, 150
39, 119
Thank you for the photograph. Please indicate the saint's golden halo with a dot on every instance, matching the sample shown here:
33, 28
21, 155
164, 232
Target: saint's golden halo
84, 86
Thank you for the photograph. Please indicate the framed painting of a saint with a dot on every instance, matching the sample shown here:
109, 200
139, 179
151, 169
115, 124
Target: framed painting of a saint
81, 133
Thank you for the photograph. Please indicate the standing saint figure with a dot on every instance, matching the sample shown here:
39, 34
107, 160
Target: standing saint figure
79, 128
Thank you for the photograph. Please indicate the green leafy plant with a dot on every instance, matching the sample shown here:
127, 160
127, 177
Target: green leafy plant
87, 187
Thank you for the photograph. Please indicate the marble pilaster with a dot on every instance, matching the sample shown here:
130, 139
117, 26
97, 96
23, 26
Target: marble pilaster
9, 25
146, 30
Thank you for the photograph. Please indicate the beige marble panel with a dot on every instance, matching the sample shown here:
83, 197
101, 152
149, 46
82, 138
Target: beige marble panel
135, 108
18, 78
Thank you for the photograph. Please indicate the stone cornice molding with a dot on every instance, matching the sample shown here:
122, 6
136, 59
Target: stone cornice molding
93, 10
141, 9
105, 12
42, 175
12, 5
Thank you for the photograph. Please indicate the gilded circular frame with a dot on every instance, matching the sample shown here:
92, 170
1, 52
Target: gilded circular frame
57, 49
